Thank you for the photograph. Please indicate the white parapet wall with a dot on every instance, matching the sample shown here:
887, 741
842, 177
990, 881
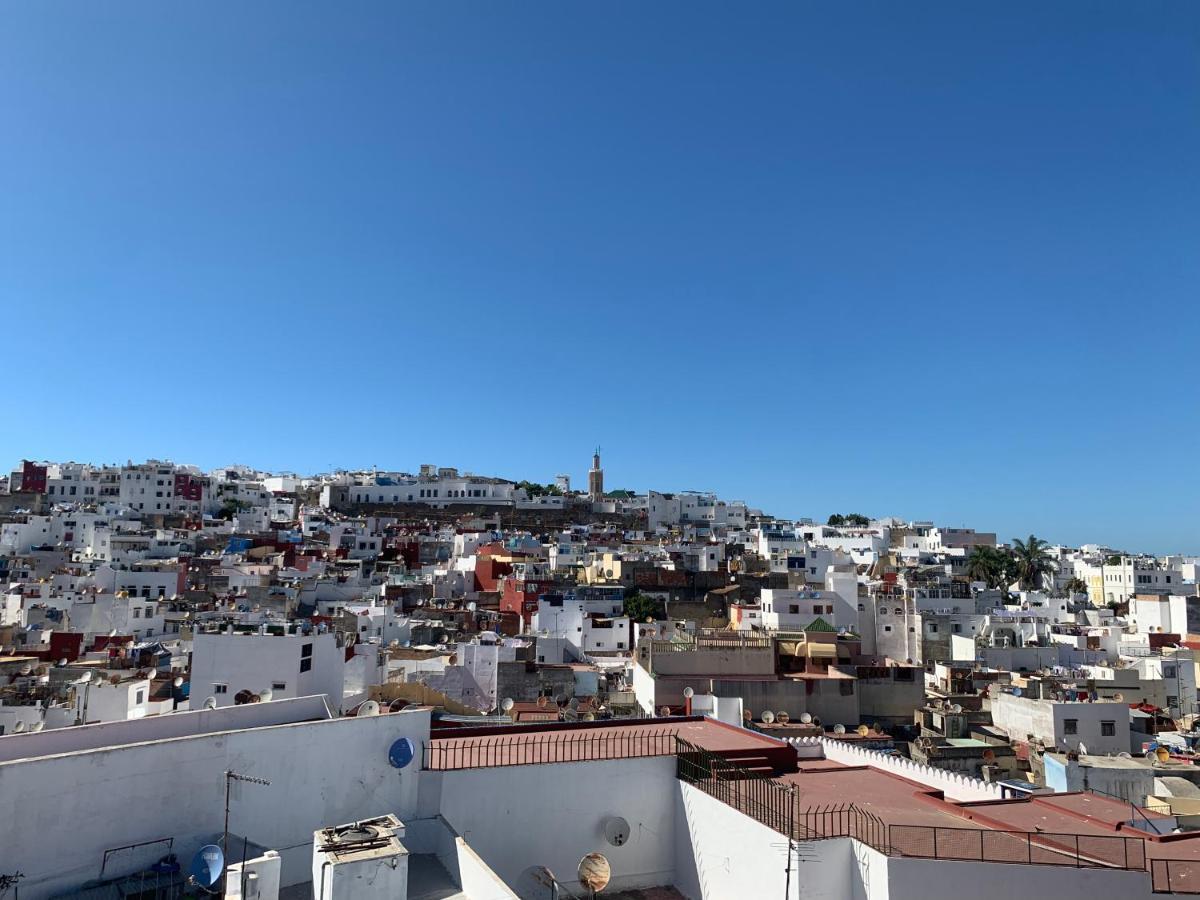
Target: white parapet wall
955, 786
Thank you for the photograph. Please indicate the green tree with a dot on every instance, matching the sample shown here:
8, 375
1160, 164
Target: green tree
639, 607
1076, 586
836, 520
1033, 561
993, 566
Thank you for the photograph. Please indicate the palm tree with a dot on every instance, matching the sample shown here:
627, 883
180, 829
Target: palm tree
993, 566
1033, 561
1076, 586
983, 564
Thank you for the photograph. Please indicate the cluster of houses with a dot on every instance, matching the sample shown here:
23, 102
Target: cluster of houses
463, 607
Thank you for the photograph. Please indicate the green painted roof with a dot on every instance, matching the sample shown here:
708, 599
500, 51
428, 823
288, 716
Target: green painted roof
819, 624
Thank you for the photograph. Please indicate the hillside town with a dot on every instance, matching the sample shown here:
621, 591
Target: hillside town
444, 684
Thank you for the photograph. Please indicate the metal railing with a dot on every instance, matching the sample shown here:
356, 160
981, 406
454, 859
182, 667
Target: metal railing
446, 754
1175, 876
780, 806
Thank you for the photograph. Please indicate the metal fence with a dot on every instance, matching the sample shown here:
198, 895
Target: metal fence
1026, 847
445, 754
780, 806
1175, 876
773, 803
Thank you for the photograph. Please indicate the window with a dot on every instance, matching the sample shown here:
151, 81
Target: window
306, 651
1168, 671
1108, 728
883, 611
956, 628
140, 698
933, 629
887, 627
1172, 700
846, 687
279, 685
220, 689
306, 665
1070, 726
794, 608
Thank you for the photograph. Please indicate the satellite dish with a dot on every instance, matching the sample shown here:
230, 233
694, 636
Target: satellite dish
207, 866
37, 726
768, 717
26, 669
782, 717
747, 716
574, 704
368, 708
543, 701
1162, 754
863, 730
1017, 692
266, 694
19, 727
1151, 755
1124, 755
665, 711
401, 753
956, 707
178, 682
989, 756
1119, 697
210, 703
689, 693
62, 662
806, 718
616, 831
839, 729
507, 704
85, 677
594, 872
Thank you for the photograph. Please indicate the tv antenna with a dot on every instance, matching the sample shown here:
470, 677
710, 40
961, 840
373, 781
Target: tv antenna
230, 777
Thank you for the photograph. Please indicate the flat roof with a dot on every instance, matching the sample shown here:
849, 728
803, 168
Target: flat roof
574, 742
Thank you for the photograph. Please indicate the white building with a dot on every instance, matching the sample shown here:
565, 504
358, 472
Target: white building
296, 664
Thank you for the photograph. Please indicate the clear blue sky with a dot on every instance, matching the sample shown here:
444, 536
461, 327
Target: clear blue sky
938, 260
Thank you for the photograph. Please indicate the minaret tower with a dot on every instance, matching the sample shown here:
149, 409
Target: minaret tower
596, 478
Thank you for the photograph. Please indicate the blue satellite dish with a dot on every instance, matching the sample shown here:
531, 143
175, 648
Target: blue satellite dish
401, 753
1017, 692
207, 865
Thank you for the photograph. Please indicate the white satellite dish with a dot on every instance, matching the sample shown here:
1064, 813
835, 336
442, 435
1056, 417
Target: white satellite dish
806, 718
616, 831
839, 729
62, 662
266, 694
768, 717
507, 704
37, 726
210, 703
178, 682
689, 693
85, 677
19, 727
369, 708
